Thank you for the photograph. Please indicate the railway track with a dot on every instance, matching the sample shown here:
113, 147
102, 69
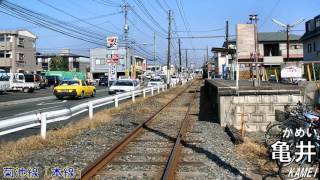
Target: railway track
151, 150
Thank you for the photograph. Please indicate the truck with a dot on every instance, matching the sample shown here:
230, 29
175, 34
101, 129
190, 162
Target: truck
4, 81
23, 82
54, 77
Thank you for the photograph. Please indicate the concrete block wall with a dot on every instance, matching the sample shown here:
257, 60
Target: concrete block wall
253, 112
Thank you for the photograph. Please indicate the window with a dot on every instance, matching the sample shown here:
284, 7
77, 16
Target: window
21, 42
69, 82
1, 54
309, 47
20, 56
2, 38
295, 46
21, 77
314, 46
8, 54
100, 61
8, 38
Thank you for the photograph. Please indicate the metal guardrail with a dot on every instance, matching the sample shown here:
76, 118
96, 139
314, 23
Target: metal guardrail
42, 119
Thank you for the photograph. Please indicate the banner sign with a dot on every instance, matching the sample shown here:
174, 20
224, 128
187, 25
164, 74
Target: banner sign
112, 72
291, 70
112, 42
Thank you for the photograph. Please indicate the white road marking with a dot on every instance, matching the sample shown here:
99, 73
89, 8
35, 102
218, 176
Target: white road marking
57, 102
38, 110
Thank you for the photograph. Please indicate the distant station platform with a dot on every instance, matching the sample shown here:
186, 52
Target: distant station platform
246, 87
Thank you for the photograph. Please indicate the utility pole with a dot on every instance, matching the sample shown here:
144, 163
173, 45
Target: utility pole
227, 55
168, 55
288, 27
154, 48
254, 20
180, 66
126, 31
187, 59
288, 41
207, 59
227, 35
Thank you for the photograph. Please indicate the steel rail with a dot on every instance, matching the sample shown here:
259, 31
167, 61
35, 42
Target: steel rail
172, 163
92, 169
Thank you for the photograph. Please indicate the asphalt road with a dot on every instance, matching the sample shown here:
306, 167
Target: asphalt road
42, 101
13, 104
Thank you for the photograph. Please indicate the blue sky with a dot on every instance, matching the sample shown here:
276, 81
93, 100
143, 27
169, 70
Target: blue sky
199, 15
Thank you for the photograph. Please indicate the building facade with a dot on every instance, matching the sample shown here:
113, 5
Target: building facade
268, 48
311, 40
271, 46
99, 61
18, 51
76, 62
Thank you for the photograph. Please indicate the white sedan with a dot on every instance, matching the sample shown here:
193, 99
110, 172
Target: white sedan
174, 79
124, 85
155, 82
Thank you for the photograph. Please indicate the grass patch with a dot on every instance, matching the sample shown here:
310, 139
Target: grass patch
55, 138
256, 154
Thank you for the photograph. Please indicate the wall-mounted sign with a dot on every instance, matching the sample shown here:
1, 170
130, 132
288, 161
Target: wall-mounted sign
112, 58
291, 70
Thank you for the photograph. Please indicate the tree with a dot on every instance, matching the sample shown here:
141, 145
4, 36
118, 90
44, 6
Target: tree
58, 63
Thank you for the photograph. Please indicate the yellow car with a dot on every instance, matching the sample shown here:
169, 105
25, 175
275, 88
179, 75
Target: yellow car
74, 88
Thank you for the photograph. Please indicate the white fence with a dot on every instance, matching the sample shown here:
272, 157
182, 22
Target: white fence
42, 119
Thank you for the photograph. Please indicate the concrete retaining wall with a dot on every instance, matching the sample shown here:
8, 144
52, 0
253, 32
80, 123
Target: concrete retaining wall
253, 112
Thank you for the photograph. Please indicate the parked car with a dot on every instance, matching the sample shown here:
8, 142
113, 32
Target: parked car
103, 81
123, 85
272, 78
53, 80
4, 82
74, 88
91, 82
148, 76
174, 79
299, 80
43, 83
23, 82
286, 81
155, 82
217, 77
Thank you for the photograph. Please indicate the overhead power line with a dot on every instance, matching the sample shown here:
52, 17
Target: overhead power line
147, 24
48, 22
107, 3
212, 30
143, 9
81, 20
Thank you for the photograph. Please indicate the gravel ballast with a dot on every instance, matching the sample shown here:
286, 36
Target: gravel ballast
207, 150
